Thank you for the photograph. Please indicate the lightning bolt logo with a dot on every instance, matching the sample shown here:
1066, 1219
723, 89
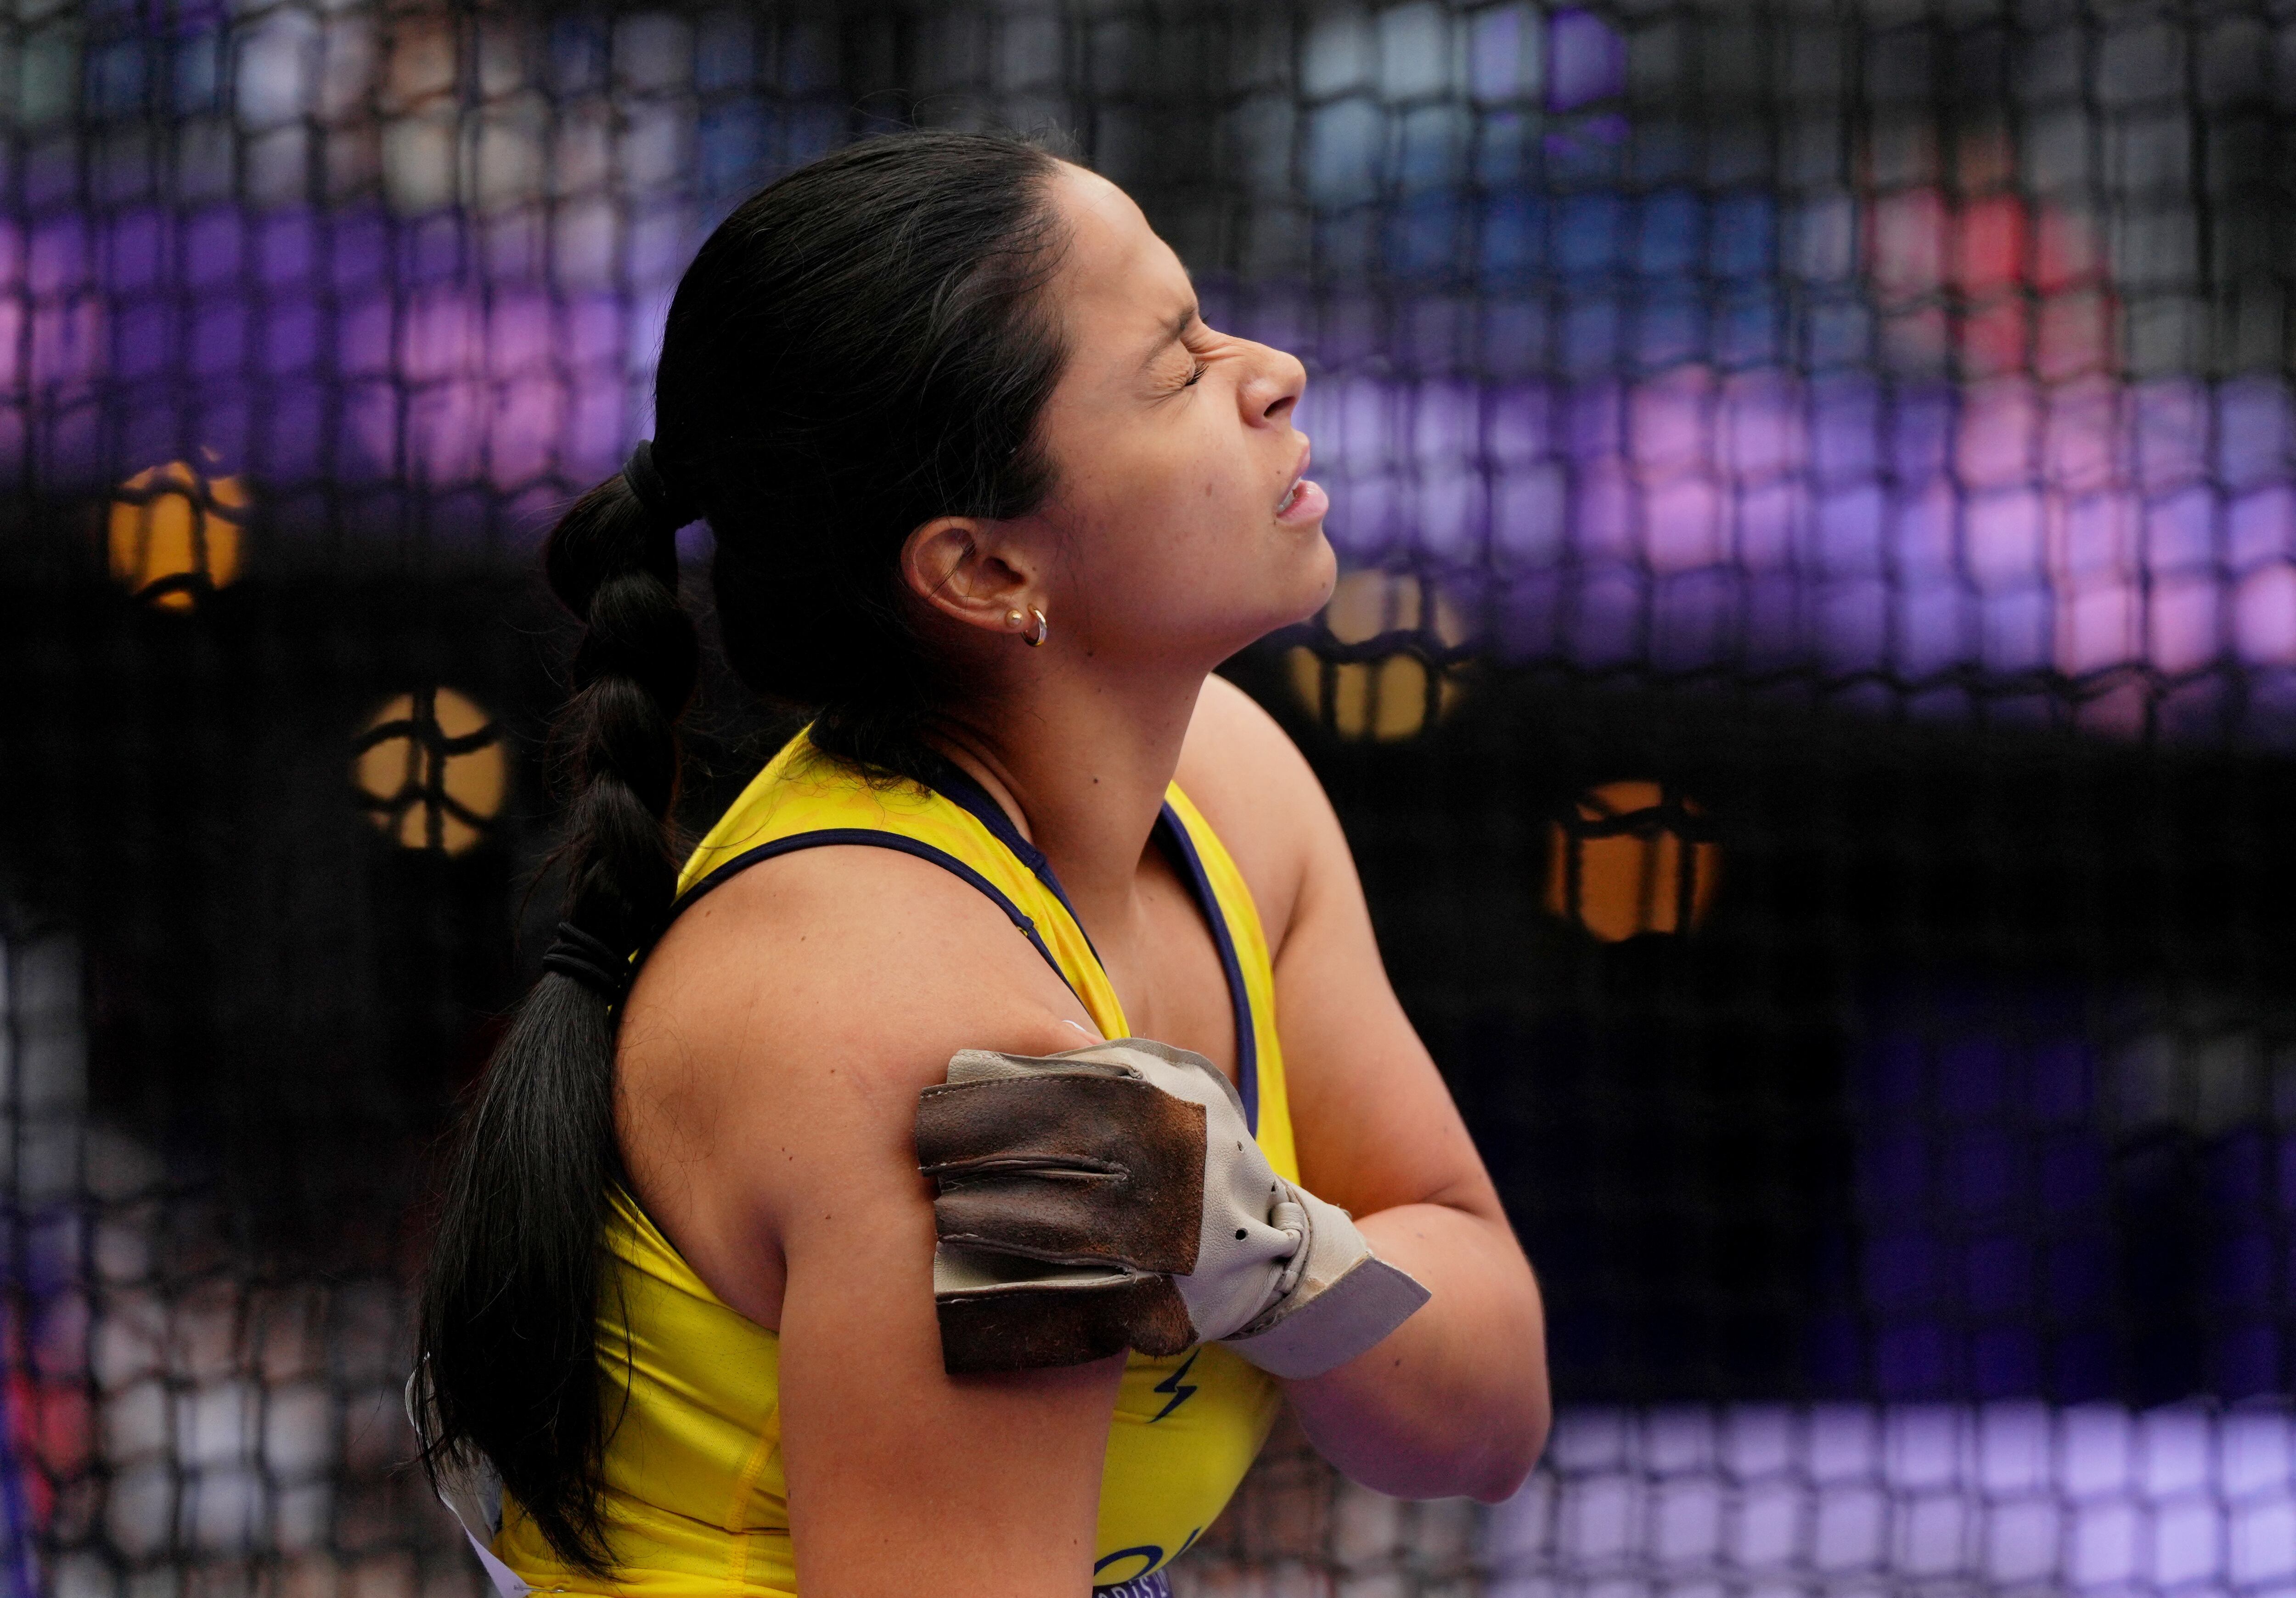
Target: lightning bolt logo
1176, 1385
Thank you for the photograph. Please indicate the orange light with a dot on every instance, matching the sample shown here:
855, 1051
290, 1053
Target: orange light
431, 768
1628, 843
1381, 699
176, 533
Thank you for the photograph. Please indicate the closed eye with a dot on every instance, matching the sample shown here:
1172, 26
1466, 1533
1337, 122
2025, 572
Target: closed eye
1168, 385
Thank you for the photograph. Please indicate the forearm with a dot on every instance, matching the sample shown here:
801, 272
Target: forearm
1455, 1401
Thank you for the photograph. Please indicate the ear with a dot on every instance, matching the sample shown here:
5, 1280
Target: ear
962, 568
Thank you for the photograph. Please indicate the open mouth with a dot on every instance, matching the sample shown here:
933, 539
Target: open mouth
1299, 481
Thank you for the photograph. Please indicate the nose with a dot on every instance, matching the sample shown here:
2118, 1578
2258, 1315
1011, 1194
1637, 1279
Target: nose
1274, 388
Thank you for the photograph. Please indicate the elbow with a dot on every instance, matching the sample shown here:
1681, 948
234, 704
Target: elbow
1514, 1451
1433, 1457
1510, 1456
1511, 1465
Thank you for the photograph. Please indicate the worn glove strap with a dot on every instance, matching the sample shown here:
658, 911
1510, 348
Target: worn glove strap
1341, 1300
1067, 1168
1004, 1313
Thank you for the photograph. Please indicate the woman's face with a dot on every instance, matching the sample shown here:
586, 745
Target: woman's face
1180, 525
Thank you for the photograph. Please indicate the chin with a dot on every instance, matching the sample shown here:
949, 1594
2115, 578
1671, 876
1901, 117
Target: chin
1322, 575
1289, 591
1302, 593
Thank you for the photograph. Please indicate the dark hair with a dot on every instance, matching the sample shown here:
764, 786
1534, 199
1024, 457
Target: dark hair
857, 349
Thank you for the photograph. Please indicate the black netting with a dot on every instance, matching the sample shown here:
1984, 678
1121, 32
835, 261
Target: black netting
1811, 697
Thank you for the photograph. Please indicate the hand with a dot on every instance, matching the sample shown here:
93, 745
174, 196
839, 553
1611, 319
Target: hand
1112, 1197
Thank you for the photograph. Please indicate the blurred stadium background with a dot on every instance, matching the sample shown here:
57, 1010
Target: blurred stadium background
1813, 699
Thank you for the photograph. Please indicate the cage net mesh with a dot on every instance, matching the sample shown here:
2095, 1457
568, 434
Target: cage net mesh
1810, 693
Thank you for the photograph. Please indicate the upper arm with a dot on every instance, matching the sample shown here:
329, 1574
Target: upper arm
807, 1014
1374, 1124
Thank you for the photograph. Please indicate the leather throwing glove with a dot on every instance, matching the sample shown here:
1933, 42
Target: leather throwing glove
1113, 1196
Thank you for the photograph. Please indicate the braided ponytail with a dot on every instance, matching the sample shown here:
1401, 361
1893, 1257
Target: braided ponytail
860, 347
508, 1324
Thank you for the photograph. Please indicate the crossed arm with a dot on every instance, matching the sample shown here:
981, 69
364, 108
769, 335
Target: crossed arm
792, 1190
1456, 1401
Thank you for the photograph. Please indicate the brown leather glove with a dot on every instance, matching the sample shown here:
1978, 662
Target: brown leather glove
1067, 1199
1112, 1197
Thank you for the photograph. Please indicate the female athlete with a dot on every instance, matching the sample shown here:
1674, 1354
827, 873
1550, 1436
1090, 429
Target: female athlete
991, 499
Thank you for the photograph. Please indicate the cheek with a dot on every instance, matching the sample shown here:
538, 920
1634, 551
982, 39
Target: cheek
1176, 508
1158, 508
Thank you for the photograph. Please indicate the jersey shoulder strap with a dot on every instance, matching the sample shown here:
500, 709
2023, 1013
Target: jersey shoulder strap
1242, 943
805, 799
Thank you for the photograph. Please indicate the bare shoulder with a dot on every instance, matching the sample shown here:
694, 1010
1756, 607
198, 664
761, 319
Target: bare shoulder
848, 946
1261, 796
775, 1043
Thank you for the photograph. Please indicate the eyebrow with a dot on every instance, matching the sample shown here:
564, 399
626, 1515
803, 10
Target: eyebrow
1175, 331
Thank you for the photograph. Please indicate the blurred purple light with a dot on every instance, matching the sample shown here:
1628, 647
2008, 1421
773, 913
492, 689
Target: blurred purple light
1694, 518
1843, 1499
1869, 525
1586, 61
1863, 524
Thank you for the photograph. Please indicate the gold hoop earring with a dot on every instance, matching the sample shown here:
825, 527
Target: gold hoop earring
1038, 642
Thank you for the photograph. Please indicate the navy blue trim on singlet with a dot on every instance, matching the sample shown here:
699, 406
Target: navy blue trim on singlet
872, 837
1247, 1042
954, 784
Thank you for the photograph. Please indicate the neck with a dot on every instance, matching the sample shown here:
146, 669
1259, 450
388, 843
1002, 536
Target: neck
1081, 765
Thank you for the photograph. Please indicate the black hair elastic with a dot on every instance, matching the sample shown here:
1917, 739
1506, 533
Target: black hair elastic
590, 961
653, 490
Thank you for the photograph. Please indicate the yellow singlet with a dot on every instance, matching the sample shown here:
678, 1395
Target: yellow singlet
694, 1486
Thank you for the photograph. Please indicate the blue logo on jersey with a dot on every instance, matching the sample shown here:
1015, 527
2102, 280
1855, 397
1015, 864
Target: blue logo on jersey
1172, 1384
